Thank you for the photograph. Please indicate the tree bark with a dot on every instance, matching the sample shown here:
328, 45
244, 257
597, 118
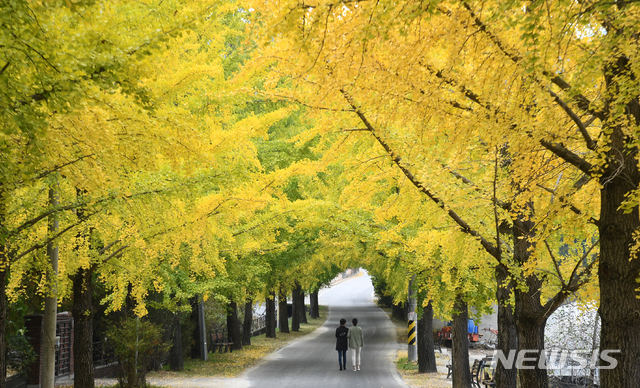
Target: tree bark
270, 315
303, 308
507, 340
531, 337
295, 316
314, 307
82, 312
247, 323
619, 306
195, 334
529, 313
176, 354
426, 353
461, 376
233, 326
283, 315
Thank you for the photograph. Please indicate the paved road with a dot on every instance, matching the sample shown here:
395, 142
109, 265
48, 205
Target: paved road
312, 361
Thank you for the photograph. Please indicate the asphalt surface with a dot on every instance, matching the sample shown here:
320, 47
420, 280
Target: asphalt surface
312, 361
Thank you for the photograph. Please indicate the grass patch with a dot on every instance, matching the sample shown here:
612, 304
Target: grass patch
408, 370
404, 364
233, 364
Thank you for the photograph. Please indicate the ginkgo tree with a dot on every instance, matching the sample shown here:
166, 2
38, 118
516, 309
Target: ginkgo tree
407, 74
106, 94
54, 57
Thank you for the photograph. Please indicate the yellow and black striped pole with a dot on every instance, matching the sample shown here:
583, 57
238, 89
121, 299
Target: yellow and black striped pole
412, 330
411, 333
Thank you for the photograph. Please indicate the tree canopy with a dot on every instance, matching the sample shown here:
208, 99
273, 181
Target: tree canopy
232, 149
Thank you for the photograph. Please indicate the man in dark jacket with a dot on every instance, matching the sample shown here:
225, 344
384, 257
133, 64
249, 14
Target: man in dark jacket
341, 344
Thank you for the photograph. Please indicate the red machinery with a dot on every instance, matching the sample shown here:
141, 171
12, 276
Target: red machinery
445, 334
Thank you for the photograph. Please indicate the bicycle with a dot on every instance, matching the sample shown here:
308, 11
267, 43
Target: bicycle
492, 340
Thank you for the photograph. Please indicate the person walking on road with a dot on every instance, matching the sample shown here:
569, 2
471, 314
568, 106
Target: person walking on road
342, 333
356, 342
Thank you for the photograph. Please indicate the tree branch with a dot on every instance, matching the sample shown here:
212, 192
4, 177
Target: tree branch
307, 105
581, 127
555, 264
557, 149
56, 168
259, 224
574, 280
106, 259
568, 156
33, 221
52, 238
6, 65
495, 211
503, 205
466, 228
103, 250
581, 101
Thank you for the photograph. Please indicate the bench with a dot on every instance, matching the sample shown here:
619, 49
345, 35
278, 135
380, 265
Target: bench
220, 342
475, 372
488, 380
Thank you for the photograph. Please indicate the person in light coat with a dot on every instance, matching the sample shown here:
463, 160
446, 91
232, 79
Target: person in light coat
356, 342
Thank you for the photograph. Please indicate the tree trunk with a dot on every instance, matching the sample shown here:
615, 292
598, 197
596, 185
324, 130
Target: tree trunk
176, 354
295, 316
247, 323
233, 326
531, 337
303, 308
461, 376
314, 307
50, 304
617, 272
283, 315
82, 312
529, 314
270, 315
507, 340
195, 334
426, 353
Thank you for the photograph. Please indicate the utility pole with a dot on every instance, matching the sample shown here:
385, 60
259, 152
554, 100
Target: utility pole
51, 301
412, 330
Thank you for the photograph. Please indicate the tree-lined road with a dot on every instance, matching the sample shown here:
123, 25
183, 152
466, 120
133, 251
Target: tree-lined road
312, 361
